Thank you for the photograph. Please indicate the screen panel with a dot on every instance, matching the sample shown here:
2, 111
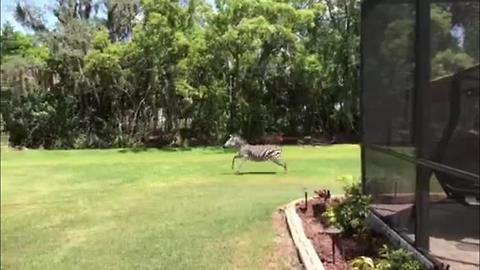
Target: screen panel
388, 44
391, 183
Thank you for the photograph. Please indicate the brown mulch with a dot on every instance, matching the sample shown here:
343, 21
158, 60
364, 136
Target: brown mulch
346, 248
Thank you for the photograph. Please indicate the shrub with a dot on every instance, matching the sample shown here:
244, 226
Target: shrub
123, 141
40, 119
363, 263
350, 213
80, 142
30, 121
92, 140
2, 124
398, 259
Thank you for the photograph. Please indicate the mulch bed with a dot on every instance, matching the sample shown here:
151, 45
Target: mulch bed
346, 249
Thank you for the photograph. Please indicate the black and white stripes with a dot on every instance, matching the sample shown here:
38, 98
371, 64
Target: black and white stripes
254, 152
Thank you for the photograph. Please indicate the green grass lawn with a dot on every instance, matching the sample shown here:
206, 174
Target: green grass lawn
108, 209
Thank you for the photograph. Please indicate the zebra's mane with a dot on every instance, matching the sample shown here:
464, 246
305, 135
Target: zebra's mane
240, 140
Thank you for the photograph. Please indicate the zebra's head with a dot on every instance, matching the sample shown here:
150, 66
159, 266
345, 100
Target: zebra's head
234, 141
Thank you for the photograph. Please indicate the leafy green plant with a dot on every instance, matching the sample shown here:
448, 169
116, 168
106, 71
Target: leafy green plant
398, 259
363, 263
350, 213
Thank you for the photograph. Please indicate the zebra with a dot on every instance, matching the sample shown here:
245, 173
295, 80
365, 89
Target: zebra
254, 152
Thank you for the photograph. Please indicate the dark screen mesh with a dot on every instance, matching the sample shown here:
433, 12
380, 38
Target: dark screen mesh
454, 96
391, 183
451, 215
388, 75
455, 120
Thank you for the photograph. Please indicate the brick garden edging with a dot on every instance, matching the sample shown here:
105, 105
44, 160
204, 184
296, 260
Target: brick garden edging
307, 253
309, 256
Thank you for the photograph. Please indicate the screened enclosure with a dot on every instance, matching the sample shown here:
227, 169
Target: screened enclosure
420, 124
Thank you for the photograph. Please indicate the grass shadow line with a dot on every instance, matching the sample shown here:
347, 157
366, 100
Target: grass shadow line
250, 173
145, 149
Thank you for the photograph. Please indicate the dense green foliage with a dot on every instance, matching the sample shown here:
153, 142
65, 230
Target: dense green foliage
153, 209
21, 55
152, 69
252, 67
351, 212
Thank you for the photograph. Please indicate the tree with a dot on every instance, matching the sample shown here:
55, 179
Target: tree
131, 69
23, 61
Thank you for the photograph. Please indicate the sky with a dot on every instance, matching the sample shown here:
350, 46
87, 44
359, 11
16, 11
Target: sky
8, 7
458, 32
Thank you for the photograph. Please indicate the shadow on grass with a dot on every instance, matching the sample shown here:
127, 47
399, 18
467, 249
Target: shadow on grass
250, 173
145, 149
210, 149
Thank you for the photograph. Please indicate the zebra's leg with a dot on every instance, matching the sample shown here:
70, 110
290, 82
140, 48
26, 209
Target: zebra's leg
240, 166
280, 163
233, 160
